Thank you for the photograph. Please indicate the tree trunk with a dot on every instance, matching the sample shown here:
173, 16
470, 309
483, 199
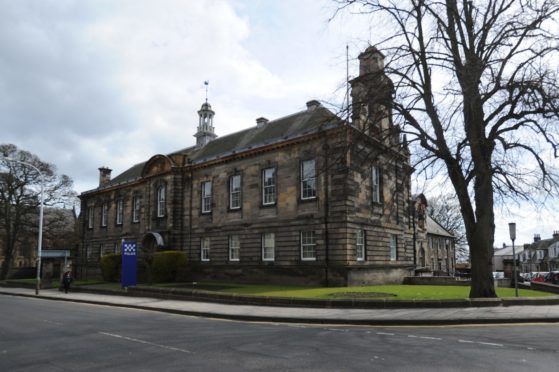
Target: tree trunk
7, 263
482, 237
481, 254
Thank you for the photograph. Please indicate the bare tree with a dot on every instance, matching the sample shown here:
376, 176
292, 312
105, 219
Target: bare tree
476, 93
19, 199
445, 209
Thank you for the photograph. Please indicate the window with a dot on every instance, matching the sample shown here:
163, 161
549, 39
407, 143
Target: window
161, 201
268, 247
308, 246
136, 209
375, 184
235, 192
119, 211
116, 249
104, 211
234, 248
90, 217
269, 186
205, 249
393, 247
206, 197
308, 179
360, 245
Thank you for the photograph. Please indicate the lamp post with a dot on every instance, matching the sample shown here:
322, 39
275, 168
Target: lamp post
40, 238
512, 232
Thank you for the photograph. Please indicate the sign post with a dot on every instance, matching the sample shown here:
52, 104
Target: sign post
129, 250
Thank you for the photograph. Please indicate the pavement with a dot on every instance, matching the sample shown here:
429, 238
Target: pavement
286, 314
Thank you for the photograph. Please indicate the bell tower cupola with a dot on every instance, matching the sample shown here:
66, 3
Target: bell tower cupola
205, 131
371, 94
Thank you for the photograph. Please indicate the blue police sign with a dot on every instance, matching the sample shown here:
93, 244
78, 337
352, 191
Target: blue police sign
129, 250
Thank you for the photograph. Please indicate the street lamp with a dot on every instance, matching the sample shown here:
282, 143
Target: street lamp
40, 241
512, 232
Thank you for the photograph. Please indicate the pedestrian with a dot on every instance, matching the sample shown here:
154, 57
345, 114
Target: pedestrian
66, 280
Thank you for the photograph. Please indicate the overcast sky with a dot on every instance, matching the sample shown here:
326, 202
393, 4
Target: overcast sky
85, 84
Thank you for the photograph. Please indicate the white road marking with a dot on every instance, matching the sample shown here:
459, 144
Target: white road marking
466, 342
412, 336
145, 342
51, 322
430, 338
385, 333
490, 344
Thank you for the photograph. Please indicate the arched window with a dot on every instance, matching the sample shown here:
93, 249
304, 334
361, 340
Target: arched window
422, 256
161, 201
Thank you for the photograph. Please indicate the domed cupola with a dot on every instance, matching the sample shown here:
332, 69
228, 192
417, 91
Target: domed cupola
205, 125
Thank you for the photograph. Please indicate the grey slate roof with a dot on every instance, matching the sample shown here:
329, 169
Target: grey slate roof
275, 131
507, 251
434, 228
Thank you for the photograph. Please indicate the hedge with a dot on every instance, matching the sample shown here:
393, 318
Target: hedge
110, 267
166, 264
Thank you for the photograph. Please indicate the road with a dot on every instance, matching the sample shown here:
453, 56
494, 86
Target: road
46, 335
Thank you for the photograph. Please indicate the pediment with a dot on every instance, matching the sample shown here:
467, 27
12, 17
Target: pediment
158, 164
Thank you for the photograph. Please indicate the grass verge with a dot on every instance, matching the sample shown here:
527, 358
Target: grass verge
396, 292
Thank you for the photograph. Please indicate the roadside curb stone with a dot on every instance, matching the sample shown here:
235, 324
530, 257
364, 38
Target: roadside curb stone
413, 315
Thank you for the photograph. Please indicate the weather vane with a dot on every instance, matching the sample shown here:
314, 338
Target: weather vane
206, 83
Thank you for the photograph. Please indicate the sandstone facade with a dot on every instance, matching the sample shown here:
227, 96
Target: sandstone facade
309, 198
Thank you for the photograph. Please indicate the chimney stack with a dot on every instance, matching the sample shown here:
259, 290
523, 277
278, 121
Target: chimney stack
260, 122
104, 176
313, 104
556, 234
537, 238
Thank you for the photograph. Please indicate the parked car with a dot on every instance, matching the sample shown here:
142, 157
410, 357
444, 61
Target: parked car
538, 277
498, 275
552, 277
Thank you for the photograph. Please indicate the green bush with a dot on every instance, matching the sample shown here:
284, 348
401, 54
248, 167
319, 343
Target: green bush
110, 267
166, 264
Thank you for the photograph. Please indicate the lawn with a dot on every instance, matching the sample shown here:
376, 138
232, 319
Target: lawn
396, 292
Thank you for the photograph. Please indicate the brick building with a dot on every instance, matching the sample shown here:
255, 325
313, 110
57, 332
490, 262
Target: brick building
307, 198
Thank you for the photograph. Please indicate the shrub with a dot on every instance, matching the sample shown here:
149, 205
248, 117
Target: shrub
110, 267
166, 264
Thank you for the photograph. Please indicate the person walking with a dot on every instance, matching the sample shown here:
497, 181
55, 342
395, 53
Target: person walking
66, 280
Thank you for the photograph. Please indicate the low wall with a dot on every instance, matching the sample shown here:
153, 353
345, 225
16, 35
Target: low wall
376, 276
545, 287
435, 280
503, 283
22, 273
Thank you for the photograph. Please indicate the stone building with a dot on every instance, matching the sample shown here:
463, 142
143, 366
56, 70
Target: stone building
435, 246
540, 255
307, 198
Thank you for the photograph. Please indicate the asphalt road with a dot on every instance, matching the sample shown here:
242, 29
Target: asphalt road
45, 335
